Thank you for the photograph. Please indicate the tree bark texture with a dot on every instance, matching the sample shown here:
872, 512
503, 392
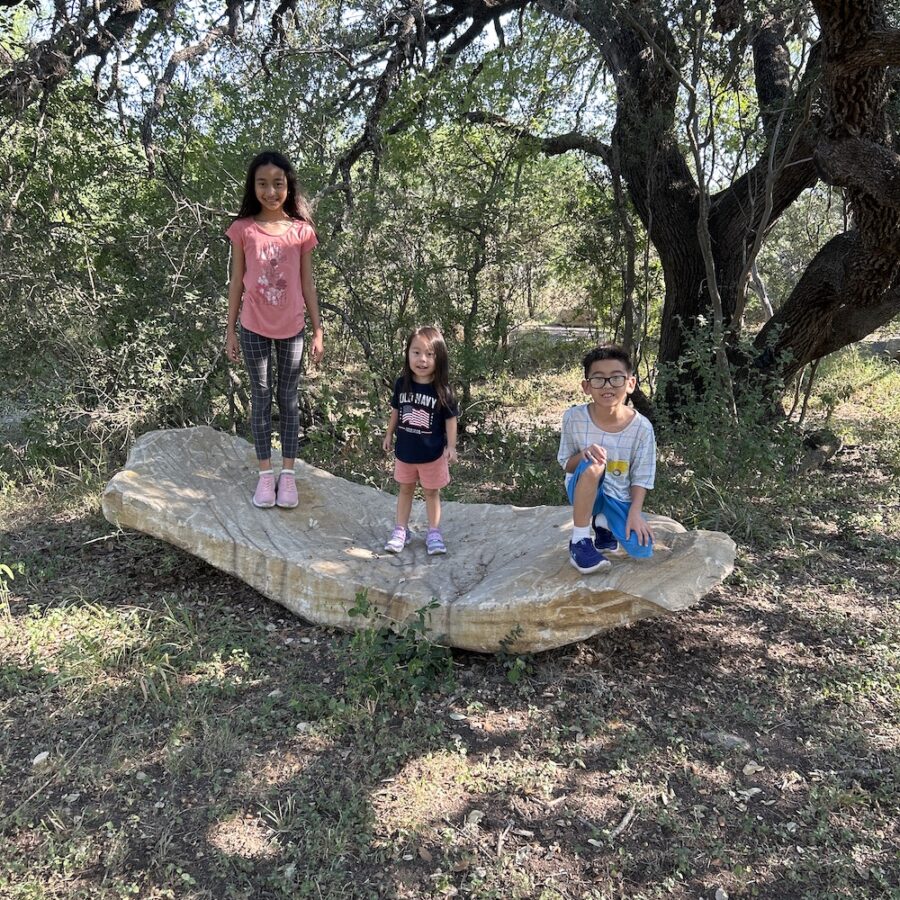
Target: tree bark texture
850, 288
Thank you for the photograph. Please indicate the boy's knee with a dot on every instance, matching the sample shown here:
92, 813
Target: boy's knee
431, 492
592, 473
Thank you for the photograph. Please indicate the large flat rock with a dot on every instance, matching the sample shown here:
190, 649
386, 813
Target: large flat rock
506, 574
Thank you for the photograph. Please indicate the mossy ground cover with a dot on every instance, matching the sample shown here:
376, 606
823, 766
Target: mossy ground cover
203, 743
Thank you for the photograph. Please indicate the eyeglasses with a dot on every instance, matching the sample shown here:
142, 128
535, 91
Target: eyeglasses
616, 381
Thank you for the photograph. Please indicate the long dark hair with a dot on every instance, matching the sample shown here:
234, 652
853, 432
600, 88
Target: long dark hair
441, 382
296, 205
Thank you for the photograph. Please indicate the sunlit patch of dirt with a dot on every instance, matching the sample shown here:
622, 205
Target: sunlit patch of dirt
243, 835
426, 792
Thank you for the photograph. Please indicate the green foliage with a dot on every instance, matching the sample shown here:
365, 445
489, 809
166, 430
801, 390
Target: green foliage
395, 661
716, 472
8, 574
854, 376
114, 319
516, 666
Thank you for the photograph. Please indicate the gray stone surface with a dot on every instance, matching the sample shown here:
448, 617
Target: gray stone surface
507, 570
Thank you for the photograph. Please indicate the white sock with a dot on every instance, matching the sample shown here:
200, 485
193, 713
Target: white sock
579, 534
266, 473
288, 472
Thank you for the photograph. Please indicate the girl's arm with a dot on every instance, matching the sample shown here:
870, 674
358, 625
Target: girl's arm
451, 439
388, 441
235, 292
308, 284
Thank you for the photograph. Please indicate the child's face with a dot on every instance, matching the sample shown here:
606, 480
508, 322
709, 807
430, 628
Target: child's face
608, 394
271, 187
421, 360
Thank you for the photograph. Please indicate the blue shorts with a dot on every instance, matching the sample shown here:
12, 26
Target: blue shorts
616, 512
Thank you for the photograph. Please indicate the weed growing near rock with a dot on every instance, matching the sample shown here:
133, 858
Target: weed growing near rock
395, 660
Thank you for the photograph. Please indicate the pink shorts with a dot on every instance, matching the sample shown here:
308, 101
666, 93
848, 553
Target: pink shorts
430, 475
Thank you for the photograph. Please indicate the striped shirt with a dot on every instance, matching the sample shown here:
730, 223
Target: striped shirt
630, 453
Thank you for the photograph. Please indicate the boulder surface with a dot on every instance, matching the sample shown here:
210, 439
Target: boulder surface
506, 581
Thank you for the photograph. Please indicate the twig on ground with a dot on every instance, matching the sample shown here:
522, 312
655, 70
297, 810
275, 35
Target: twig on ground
626, 821
501, 839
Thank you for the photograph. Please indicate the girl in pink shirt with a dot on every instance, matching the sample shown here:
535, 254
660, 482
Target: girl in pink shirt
272, 287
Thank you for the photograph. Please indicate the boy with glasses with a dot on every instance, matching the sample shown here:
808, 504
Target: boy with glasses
608, 452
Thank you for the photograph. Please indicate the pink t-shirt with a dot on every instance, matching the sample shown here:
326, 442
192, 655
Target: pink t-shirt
273, 302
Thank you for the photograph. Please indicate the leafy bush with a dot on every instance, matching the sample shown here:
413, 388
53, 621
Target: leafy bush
717, 471
396, 661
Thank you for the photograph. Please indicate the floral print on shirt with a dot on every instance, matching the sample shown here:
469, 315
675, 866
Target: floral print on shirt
272, 280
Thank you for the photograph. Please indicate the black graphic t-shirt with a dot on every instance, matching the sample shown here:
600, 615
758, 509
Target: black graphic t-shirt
421, 422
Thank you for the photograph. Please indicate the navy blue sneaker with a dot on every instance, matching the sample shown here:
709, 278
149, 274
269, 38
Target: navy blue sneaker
585, 557
603, 537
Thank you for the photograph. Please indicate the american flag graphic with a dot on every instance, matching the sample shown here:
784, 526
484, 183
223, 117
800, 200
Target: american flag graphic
418, 418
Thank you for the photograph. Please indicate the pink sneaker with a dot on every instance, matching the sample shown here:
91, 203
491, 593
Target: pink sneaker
264, 497
287, 490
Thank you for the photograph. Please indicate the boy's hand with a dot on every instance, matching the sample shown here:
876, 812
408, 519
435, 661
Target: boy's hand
387, 443
636, 523
594, 454
451, 455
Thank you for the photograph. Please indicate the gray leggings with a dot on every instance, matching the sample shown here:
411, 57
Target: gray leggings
257, 352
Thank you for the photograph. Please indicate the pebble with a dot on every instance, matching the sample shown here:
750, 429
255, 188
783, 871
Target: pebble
726, 740
41, 760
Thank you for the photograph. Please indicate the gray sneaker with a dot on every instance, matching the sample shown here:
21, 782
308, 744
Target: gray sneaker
397, 540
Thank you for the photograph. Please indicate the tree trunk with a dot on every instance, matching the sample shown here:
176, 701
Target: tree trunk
852, 286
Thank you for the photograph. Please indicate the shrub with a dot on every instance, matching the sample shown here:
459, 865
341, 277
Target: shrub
396, 661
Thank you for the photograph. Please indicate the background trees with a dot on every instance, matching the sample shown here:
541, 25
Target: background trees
479, 164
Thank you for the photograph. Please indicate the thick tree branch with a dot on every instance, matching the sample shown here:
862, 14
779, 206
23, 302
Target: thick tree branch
49, 62
552, 145
771, 69
863, 165
822, 314
412, 31
186, 54
882, 48
405, 37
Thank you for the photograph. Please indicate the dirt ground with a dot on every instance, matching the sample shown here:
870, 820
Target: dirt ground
201, 742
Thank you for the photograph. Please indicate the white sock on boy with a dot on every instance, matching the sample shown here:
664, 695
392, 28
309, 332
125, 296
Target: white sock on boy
579, 534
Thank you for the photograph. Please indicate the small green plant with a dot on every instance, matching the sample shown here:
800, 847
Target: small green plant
395, 660
516, 665
8, 574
